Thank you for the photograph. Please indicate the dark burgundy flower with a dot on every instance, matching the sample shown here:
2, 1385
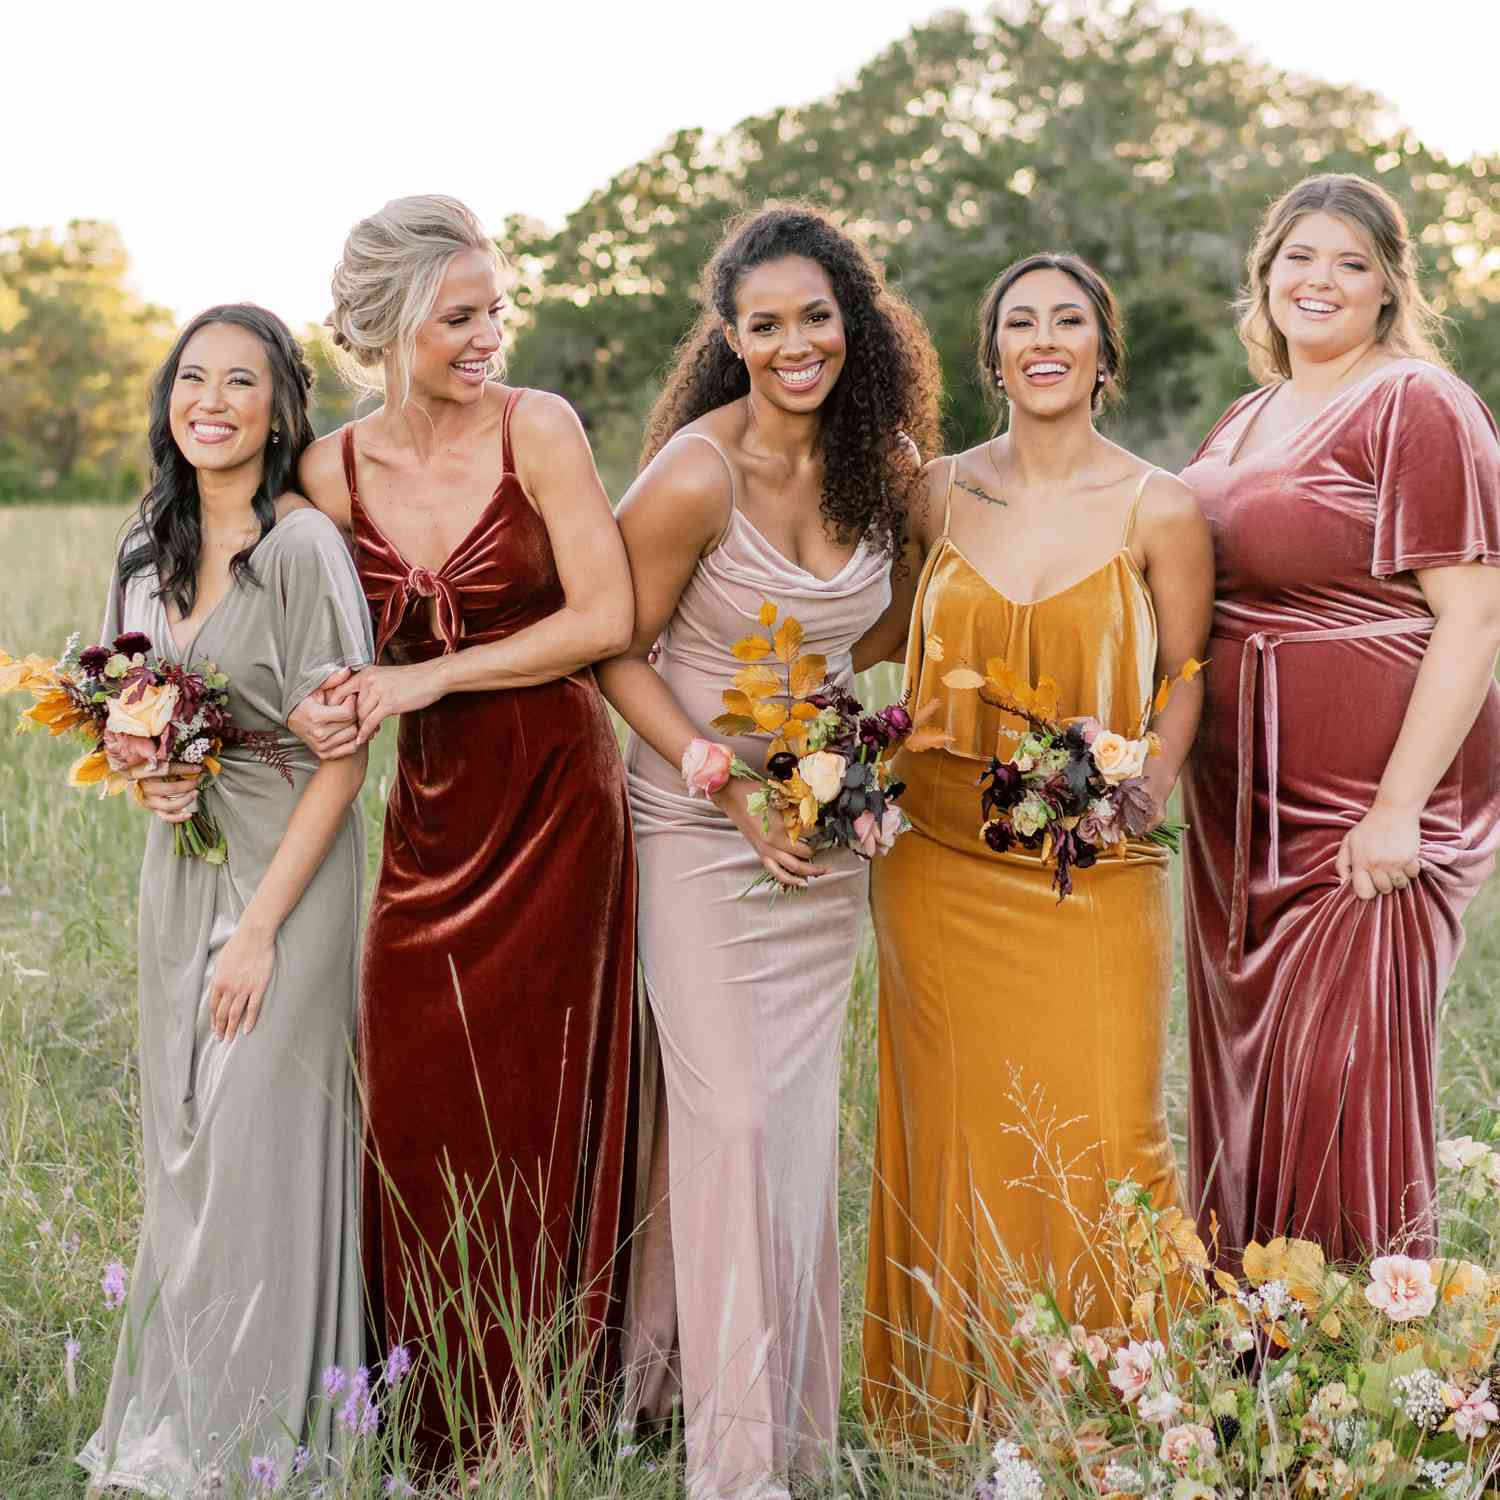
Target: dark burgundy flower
997, 835
1139, 812
1006, 788
133, 643
92, 661
781, 765
897, 721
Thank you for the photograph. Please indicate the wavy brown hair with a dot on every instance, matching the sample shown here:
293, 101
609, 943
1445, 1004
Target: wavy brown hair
885, 395
1408, 326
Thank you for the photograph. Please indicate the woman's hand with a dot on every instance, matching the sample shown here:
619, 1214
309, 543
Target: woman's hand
242, 973
171, 793
789, 861
330, 730
381, 692
1379, 854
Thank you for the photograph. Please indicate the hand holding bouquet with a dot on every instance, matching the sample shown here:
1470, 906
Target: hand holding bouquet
1068, 789
140, 718
828, 775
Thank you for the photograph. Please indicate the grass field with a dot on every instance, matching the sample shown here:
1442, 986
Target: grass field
69, 1138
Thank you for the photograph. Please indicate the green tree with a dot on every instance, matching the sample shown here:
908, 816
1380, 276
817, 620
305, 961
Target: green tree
77, 348
1147, 141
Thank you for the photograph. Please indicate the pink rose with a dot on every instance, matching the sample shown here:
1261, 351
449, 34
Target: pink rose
1090, 728
1401, 1288
1181, 1445
1134, 1365
1473, 1414
705, 766
866, 835
125, 751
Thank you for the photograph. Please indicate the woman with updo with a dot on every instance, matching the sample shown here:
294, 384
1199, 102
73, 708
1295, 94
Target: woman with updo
499, 966
1023, 1037
1343, 803
779, 467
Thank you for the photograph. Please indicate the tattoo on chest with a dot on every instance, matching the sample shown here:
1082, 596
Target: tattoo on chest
980, 494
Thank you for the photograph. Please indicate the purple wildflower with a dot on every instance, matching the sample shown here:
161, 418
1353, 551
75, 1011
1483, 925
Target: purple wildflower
113, 1282
72, 1349
397, 1363
396, 1484
263, 1473
45, 1228
334, 1380
300, 1459
369, 1419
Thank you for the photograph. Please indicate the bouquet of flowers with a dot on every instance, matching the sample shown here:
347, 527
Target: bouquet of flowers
828, 772
1069, 788
139, 717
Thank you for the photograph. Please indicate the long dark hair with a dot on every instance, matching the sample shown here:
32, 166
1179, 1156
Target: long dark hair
167, 533
886, 394
1101, 298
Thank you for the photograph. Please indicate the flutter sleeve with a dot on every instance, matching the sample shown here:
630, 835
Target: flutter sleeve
1436, 460
325, 621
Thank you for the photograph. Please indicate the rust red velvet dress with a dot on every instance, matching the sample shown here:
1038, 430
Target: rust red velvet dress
508, 856
1313, 1015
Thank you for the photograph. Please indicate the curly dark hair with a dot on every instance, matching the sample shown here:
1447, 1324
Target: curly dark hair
886, 394
167, 532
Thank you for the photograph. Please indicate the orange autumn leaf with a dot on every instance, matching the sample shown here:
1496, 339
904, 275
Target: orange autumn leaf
736, 702
32, 674
89, 770
794, 736
752, 648
788, 640
733, 724
808, 673
962, 679
211, 765
767, 614
757, 682
934, 648
1044, 699
804, 711
927, 738
1191, 668
770, 716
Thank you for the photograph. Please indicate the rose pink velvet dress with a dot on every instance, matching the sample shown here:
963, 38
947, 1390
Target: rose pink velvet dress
1312, 1014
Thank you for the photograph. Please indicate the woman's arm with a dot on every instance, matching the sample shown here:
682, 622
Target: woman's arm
1380, 853
556, 468
885, 640
242, 971
670, 517
1178, 551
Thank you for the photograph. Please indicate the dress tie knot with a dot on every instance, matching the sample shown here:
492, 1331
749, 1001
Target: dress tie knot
422, 583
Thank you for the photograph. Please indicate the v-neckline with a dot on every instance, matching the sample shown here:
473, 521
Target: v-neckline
797, 567
459, 546
1077, 583
1255, 411
184, 658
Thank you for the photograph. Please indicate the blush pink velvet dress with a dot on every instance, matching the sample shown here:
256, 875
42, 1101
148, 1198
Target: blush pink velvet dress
1312, 1014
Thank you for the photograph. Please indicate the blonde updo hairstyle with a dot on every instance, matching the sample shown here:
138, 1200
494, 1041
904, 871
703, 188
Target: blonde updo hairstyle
386, 284
1409, 327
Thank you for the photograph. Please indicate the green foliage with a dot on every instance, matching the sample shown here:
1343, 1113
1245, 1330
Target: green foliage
77, 348
1149, 142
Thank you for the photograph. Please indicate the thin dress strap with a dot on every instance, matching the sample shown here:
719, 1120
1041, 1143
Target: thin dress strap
507, 466
1135, 505
723, 458
348, 446
948, 495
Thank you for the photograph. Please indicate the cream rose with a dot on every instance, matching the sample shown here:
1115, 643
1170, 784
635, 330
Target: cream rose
1117, 758
147, 713
823, 771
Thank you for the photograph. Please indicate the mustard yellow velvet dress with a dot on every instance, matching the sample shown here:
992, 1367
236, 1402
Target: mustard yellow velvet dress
1021, 1038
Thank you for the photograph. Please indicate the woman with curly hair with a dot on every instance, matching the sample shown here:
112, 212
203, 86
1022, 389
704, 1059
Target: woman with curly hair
779, 467
1022, 1038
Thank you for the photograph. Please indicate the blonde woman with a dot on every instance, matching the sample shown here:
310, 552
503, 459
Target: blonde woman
499, 967
1342, 801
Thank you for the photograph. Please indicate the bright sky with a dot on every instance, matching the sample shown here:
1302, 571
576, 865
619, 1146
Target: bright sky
234, 147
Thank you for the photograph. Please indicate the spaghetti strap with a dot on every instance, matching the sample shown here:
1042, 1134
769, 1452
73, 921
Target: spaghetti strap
948, 495
348, 446
1135, 505
734, 497
506, 464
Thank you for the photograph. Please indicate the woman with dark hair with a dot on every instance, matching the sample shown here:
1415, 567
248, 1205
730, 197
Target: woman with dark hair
1343, 805
246, 1282
778, 467
1022, 1037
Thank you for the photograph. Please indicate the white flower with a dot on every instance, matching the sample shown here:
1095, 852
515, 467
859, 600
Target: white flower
1015, 1478
1461, 1152
823, 771
1160, 1407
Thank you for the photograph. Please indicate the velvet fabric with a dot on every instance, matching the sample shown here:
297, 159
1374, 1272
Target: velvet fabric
1312, 1014
496, 1022
1022, 1040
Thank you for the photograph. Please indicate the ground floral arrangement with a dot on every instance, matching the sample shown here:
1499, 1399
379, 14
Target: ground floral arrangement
1295, 1378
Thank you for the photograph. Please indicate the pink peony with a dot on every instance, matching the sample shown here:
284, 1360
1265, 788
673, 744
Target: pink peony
1134, 1365
1473, 1414
1401, 1288
1181, 1445
705, 766
125, 751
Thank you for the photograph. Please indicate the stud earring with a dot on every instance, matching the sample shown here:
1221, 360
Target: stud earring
999, 382
275, 435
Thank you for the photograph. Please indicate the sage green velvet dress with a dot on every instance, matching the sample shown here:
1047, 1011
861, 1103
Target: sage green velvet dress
246, 1279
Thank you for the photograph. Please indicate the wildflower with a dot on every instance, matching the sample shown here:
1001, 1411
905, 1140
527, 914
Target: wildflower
1461, 1152
396, 1484
1401, 1288
1134, 1366
300, 1459
397, 1363
1186, 1444
1276, 1458
369, 1420
72, 1243
1060, 1358
1159, 1407
1192, 1489
113, 1282
71, 1350
263, 1473
334, 1381
1015, 1478
1121, 1477
1472, 1413
45, 1228
1336, 1400
1420, 1397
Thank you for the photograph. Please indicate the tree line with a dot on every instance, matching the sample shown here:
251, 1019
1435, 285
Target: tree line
1145, 140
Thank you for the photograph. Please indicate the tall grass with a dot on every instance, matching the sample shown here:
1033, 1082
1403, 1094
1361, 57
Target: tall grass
69, 1139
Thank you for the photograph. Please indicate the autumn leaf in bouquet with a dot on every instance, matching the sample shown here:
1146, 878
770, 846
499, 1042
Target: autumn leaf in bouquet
828, 776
